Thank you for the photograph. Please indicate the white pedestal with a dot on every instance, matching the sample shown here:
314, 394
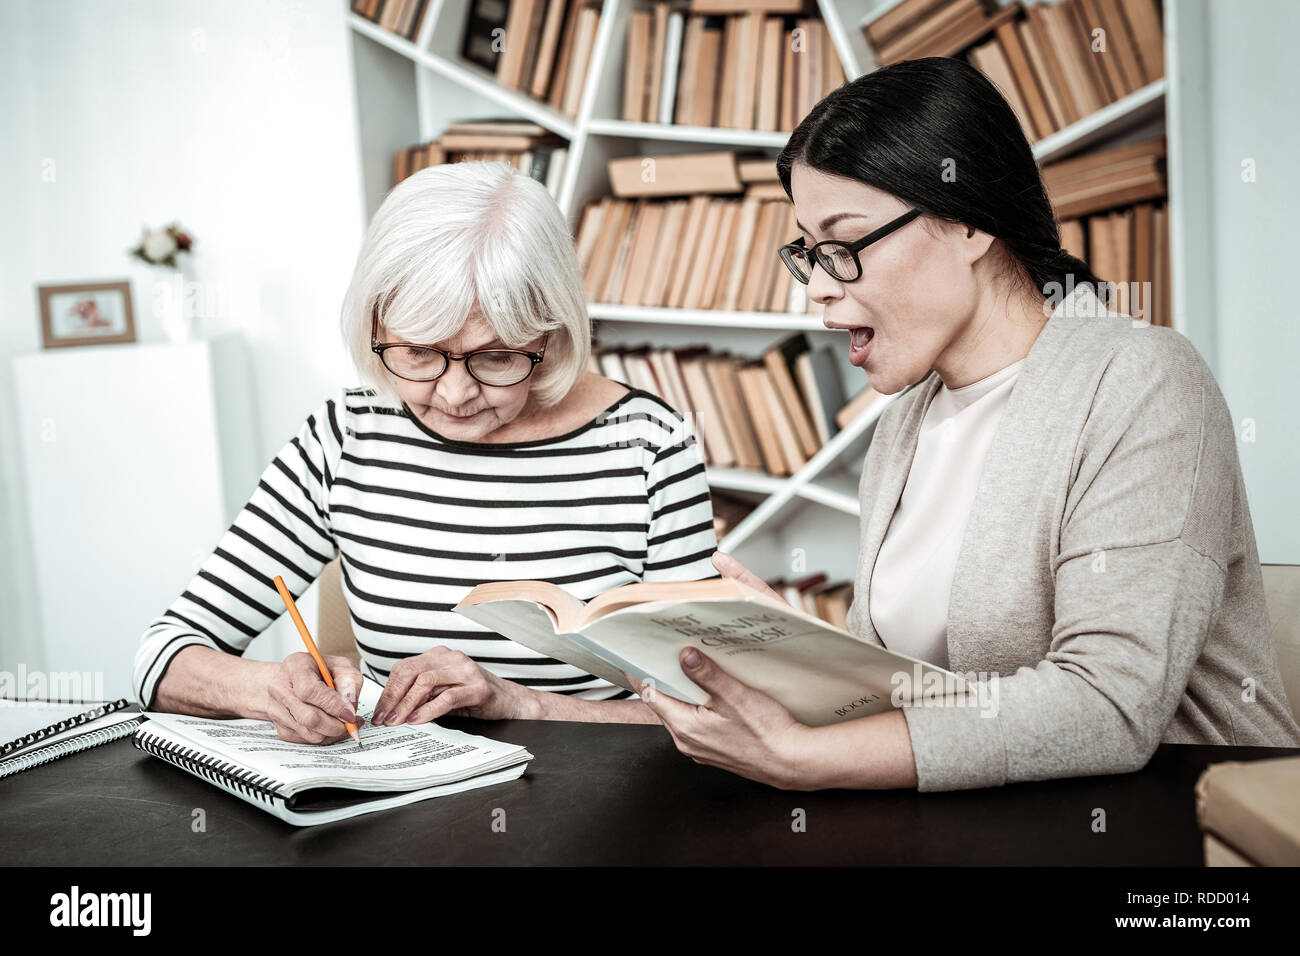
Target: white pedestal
136, 458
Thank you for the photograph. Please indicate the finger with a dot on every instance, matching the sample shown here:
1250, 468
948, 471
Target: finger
419, 692
347, 679
670, 710
287, 725
307, 683
731, 568
662, 705
453, 698
283, 724
314, 691
307, 716
399, 682
725, 692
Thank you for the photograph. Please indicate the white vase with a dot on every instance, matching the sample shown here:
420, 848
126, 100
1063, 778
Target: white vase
165, 301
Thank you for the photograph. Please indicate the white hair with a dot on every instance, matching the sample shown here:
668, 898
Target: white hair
463, 236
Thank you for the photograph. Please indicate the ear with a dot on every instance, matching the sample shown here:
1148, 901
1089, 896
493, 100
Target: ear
975, 244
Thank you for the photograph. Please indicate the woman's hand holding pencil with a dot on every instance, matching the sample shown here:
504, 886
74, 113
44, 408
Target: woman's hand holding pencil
313, 699
303, 707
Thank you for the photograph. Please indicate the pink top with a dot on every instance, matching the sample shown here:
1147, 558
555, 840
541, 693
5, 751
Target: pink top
910, 584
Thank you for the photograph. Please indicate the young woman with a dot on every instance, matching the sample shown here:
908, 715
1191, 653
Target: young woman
479, 449
1054, 505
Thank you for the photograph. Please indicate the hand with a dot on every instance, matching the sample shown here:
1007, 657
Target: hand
729, 567
442, 681
302, 706
741, 729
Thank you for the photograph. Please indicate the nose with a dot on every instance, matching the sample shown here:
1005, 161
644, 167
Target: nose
456, 387
823, 287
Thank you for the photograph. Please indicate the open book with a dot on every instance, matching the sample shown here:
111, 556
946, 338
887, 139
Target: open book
821, 674
306, 784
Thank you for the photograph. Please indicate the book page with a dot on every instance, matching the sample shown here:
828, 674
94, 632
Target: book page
561, 608
391, 758
646, 592
528, 624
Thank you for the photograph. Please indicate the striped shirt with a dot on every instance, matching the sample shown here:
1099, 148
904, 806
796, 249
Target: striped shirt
418, 519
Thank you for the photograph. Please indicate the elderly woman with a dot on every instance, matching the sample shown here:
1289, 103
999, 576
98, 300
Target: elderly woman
482, 450
1053, 504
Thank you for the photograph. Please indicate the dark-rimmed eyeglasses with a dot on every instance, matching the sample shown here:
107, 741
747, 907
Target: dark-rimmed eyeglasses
423, 363
839, 259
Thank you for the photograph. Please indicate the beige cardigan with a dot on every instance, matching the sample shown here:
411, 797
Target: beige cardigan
1108, 574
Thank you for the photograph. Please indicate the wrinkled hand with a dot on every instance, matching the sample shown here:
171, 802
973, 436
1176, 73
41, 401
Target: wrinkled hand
445, 682
740, 729
302, 706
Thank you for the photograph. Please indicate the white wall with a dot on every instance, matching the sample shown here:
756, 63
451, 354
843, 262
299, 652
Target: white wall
237, 118
1256, 239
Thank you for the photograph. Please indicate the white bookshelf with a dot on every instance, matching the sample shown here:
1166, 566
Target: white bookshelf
804, 513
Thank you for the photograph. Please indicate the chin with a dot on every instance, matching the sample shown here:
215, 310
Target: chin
884, 386
887, 384
440, 422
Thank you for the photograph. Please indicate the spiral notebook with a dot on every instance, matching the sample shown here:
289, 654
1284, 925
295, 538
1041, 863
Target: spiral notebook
307, 784
35, 732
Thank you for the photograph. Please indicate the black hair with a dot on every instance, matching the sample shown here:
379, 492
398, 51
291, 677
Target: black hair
900, 127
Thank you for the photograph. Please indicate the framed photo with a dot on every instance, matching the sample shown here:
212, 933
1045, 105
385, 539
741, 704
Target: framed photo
86, 313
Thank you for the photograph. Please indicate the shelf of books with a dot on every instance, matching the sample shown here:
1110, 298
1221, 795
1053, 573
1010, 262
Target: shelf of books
655, 124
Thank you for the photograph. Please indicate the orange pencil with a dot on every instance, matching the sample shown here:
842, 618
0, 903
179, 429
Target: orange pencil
311, 646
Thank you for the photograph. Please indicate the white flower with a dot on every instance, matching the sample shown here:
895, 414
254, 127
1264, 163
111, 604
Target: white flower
158, 245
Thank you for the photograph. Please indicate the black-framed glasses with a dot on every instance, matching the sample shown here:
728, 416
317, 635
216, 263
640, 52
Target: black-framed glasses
839, 259
423, 363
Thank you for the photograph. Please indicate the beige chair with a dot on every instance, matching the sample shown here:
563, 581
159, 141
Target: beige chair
334, 622
1282, 594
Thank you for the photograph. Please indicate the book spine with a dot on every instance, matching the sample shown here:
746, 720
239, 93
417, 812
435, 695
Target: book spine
61, 726
63, 748
241, 782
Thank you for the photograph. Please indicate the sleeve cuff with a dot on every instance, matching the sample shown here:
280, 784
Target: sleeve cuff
956, 747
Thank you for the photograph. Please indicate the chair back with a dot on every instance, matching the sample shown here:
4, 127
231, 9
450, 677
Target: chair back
334, 622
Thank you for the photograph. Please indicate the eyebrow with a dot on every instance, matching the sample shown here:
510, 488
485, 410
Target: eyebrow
832, 220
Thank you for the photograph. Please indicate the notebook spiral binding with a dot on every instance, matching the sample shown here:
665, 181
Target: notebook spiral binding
210, 768
85, 741
36, 736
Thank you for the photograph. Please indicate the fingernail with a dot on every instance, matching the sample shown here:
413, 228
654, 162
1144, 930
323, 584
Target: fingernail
692, 659
411, 719
391, 720
348, 717
377, 717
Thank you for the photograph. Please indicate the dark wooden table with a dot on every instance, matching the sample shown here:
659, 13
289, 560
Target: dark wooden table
610, 794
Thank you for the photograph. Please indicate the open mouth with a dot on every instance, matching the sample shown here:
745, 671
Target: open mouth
860, 340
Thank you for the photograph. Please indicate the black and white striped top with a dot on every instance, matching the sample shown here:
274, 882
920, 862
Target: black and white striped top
419, 519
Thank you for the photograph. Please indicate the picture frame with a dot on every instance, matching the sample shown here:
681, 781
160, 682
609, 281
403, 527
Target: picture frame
86, 313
